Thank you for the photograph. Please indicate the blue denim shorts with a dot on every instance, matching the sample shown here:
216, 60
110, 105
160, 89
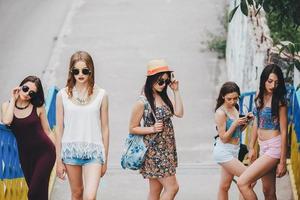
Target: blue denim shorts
82, 161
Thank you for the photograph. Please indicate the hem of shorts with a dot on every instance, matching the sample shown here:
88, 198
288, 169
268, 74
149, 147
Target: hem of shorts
221, 162
271, 156
84, 164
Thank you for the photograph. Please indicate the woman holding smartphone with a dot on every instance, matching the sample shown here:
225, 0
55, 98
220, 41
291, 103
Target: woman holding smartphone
161, 158
26, 115
229, 126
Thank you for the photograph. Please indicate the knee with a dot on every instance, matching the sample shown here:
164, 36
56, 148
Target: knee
269, 193
77, 193
242, 184
225, 186
173, 189
90, 195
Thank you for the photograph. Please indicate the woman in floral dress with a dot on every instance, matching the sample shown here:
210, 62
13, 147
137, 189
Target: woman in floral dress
161, 158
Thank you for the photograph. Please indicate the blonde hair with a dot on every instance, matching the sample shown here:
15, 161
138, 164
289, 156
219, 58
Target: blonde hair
87, 59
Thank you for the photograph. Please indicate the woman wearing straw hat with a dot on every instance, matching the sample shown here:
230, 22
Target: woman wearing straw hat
161, 158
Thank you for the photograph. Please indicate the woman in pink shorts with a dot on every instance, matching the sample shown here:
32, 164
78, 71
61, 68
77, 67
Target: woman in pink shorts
270, 128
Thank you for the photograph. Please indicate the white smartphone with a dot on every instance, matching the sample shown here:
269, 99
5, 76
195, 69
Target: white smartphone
172, 77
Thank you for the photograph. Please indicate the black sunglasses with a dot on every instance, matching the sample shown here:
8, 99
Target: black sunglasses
25, 89
84, 71
161, 81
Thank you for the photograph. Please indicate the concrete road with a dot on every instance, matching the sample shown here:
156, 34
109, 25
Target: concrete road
27, 35
122, 35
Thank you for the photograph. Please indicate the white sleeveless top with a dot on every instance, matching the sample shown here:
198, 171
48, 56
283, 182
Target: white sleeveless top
82, 137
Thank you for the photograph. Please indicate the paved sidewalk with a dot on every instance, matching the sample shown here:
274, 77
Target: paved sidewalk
122, 35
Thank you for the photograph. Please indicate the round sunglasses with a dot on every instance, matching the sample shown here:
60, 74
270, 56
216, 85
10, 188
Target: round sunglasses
84, 71
161, 81
25, 89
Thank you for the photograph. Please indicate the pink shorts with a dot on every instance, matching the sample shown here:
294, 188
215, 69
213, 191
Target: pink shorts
271, 147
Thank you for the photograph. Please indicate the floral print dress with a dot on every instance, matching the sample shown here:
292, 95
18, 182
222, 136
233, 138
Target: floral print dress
161, 157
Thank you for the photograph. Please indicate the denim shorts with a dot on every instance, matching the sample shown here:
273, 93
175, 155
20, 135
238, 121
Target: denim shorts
82, 161
224, 152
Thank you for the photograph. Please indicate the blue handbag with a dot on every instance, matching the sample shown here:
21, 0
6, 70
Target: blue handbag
135, 149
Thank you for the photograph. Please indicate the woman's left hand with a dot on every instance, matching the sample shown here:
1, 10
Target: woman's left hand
103, 169
281, 170
174, 85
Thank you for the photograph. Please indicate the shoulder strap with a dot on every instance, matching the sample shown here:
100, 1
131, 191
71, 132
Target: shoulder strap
147, 106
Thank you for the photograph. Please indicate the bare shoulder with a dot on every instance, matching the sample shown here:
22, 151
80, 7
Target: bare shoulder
41, 110
220, 113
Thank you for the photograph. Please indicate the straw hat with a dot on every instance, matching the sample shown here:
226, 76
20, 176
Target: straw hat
156, 66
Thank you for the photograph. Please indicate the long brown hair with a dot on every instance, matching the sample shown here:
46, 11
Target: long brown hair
87, 59
228, 87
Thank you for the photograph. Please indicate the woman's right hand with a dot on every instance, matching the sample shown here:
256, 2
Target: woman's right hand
15, 93
241, 121
158, 127
60, 170
252, 155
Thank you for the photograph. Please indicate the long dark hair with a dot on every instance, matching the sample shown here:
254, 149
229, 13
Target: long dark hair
148, 91
38, 99
279, 93
87, 59
228, 87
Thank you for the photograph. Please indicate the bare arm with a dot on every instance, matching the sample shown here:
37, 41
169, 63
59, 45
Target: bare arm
135, 121
59, 126
7, 108
283, 133
105, 124
220, 118
45, 123
60, 167
177, 102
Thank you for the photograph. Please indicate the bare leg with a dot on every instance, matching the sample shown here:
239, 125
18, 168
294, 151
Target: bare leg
155, 189
269, 185
75, 180
92, 174
170, 186
228, 171
256, 170
225, 182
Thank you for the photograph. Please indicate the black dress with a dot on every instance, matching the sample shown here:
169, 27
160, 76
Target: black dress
36, 152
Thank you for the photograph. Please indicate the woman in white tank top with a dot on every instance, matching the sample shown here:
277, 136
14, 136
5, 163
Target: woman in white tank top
82, 129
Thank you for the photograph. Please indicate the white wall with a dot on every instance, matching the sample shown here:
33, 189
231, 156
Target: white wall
246, 51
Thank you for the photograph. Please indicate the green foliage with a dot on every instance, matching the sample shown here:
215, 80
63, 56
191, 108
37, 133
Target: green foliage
283, 20
218, 44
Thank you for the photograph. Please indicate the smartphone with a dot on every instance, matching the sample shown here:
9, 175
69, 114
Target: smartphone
241, 115
172, 77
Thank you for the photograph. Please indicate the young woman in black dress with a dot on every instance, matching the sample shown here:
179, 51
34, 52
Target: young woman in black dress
26, 115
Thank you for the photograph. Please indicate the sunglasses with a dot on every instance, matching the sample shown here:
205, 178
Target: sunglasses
25, 89
84, 71
161, 81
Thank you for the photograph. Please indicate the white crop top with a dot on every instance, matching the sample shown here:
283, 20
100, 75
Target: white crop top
82, 137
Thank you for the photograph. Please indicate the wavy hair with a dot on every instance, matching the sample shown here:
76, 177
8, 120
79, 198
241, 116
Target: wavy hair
279, 93
87, 59
227, 87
